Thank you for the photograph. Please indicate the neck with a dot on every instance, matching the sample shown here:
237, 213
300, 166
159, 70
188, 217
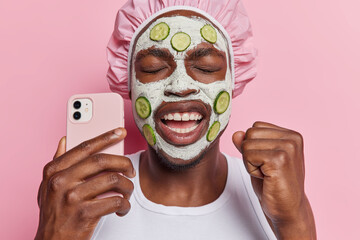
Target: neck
196, 186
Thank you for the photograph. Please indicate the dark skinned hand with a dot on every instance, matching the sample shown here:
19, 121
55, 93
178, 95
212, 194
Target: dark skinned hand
274, 158
69, 207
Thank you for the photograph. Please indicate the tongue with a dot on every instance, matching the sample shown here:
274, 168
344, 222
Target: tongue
180, 124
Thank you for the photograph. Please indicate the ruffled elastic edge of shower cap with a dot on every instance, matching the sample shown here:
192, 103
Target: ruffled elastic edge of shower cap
229, 16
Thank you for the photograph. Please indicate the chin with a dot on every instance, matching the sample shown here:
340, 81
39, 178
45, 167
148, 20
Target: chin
179, 165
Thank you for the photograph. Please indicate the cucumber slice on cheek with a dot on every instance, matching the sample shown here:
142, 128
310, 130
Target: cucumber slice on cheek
213, 131
180, 41
159, 32
149, 134
222, 102
143, 107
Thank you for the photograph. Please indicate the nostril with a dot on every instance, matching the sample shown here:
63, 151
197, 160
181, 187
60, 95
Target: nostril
183, 93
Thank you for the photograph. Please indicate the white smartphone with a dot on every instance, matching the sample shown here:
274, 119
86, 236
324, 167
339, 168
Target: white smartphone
89, 115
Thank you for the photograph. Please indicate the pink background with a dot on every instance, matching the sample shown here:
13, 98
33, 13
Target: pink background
308, 81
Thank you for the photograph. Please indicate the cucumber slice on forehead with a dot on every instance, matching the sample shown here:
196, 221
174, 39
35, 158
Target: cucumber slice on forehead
159, 32
222, 102
143, 107
180, 41
208, 33
213, 131
149, 134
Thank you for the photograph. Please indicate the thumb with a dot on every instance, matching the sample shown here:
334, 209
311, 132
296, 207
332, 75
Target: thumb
61, 149
238, 138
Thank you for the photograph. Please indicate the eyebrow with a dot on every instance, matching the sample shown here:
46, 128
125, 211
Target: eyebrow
156, 52
203, 52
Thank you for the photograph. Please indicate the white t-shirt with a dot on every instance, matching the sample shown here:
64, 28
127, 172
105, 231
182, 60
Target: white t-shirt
236, 214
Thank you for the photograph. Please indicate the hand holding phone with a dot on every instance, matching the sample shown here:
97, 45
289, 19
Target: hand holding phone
69, 207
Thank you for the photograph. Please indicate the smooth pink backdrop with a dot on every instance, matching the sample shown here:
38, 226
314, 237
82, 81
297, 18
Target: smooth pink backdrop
308, 81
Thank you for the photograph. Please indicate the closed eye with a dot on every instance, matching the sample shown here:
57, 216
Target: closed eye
207, 70
153, 71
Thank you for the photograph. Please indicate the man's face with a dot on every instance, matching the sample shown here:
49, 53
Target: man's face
181, 88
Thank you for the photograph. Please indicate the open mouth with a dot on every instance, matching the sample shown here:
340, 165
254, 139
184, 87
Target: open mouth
182, 123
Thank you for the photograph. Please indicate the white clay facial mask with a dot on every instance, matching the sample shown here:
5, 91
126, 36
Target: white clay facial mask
207, 105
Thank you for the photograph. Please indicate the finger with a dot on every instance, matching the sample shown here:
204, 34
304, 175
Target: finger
39, 194
254, 171
111, 181
269, 144
84, 150
61, 149
97, 208
97, 163
237, 138
265, 163
266, 133
267, 125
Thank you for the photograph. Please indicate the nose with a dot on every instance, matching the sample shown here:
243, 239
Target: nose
182, 93
181, 84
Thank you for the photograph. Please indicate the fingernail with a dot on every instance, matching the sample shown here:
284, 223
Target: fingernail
134, 172
118, 131
62, 140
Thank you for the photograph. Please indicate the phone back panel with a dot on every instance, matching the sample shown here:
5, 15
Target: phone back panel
107, 114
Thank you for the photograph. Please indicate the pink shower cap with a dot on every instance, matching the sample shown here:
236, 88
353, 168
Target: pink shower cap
228, 15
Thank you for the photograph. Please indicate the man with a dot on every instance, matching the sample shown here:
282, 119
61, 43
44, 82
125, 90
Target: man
184, 66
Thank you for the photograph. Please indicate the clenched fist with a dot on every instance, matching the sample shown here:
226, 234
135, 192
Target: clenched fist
274, 158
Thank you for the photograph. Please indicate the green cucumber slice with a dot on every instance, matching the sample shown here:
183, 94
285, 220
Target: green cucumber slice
143, 107
159, 32
180, 41
213, 131
208, 33
222, 102
149, 134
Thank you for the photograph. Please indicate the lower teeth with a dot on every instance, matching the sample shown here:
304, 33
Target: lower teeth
183, 130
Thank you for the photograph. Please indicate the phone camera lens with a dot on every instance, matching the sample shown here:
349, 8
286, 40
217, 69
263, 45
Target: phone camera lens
77, 115
77, 104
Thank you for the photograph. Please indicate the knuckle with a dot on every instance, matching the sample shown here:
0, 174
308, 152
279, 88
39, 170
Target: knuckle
100, 160
55, 183
118, 202
114, 178
282, 159
85, 146
71, 197
49, 170
106, 138
83, 213
290, 145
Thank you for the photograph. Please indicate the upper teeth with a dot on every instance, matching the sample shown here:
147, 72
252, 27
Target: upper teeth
182, 116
